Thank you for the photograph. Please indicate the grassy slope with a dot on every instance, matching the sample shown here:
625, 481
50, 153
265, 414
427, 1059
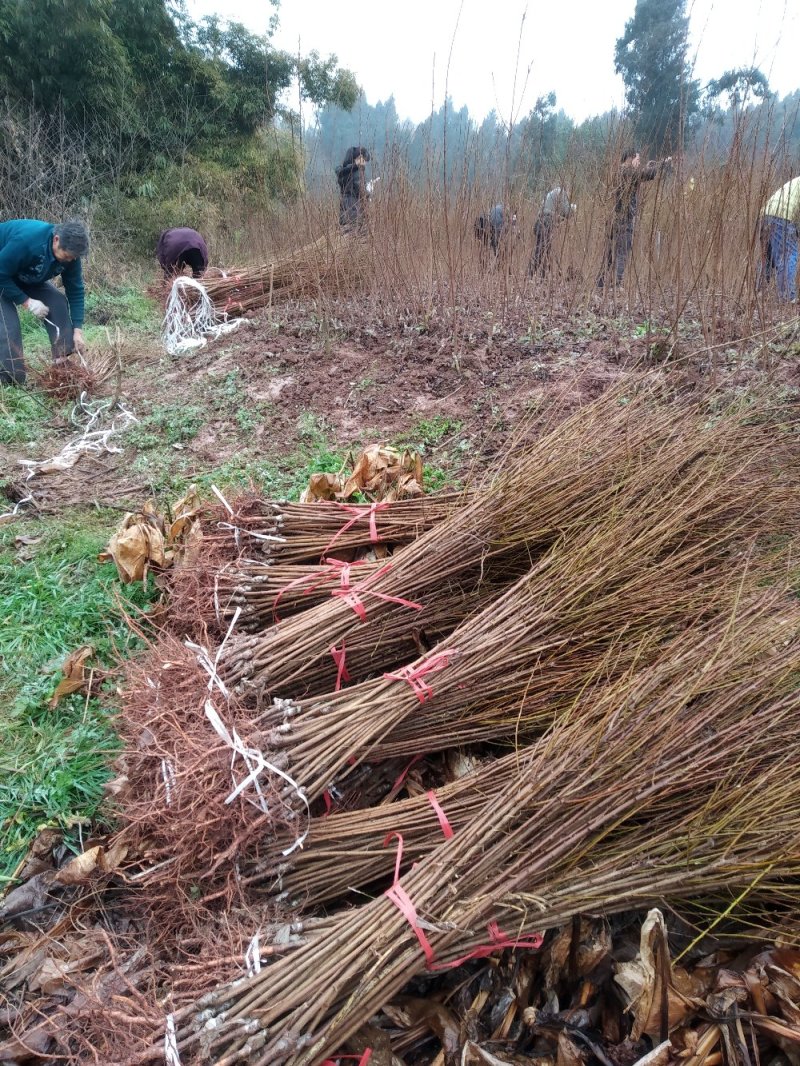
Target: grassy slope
54, 597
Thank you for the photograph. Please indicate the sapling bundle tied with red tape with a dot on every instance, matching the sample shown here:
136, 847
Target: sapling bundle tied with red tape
659, 555
552, 490
713, 718
307, 533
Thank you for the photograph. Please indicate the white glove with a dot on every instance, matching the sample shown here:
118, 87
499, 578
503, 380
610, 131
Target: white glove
36, 307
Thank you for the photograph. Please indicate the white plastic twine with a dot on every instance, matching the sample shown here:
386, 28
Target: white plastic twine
95, 438
169, 778
171, 1056
252, 957
8, 515
253, 758
189, 322
237, 530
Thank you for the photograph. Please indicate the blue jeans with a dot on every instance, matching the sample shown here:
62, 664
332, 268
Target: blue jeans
780, 241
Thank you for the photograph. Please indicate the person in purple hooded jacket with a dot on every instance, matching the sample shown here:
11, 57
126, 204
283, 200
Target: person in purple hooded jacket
179, 248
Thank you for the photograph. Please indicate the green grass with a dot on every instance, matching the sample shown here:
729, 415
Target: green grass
428, 433
167, 424
54, 762
24, 415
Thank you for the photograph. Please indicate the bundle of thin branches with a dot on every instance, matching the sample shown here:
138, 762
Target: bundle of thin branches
331, 264
562, 486
309, 532
704, 723
625, 624
657, 557
267, 592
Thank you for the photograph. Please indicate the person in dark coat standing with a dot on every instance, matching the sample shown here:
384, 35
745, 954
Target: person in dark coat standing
353, 193
31, 254
619, 237
180, 248
556, 208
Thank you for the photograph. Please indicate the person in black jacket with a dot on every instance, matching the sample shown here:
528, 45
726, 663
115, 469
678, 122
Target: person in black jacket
353, 194
619, 236
496, 231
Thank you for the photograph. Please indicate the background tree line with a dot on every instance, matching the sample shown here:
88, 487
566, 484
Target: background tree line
164, 116
130, 112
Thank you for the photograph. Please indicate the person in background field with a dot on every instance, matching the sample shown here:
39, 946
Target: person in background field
555, 208
31, 253
353, 193
619, 239
496, 231
180, 248
780, 225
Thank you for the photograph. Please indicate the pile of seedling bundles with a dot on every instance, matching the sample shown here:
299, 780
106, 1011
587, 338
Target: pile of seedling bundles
408, 742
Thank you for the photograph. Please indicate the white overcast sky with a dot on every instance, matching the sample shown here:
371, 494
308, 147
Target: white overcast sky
403, 47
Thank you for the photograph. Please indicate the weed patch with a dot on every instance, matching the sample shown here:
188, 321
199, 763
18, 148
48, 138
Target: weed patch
167, 424
54, 762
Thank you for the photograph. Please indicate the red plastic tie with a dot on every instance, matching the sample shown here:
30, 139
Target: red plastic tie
341, 670
331, 568
498, 940
326, 798
400, 898
403, 775
351, 594
447, 829
414, 674
363, 1060
358, 511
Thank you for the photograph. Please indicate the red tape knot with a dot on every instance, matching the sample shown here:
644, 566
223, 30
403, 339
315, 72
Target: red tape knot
447, 829
414, 674
341, 670
400, 898
331, 569
358, 511
351, 594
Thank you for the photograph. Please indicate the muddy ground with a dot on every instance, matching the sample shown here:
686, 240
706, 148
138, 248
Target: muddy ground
357, 377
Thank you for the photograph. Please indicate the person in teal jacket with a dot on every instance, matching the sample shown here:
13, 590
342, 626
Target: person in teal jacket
31, 254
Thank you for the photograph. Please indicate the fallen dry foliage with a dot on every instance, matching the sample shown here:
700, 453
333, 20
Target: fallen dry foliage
147, 539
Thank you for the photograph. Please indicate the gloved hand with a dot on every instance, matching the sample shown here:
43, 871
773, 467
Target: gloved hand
78, 341
36, 307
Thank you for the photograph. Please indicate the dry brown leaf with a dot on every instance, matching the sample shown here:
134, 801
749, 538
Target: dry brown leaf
95, 861
52, 976
659, 1056
322, 487
385, 474
74, 671
641, 980
568, 1053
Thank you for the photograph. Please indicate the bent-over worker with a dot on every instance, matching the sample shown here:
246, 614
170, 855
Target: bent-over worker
31, 254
